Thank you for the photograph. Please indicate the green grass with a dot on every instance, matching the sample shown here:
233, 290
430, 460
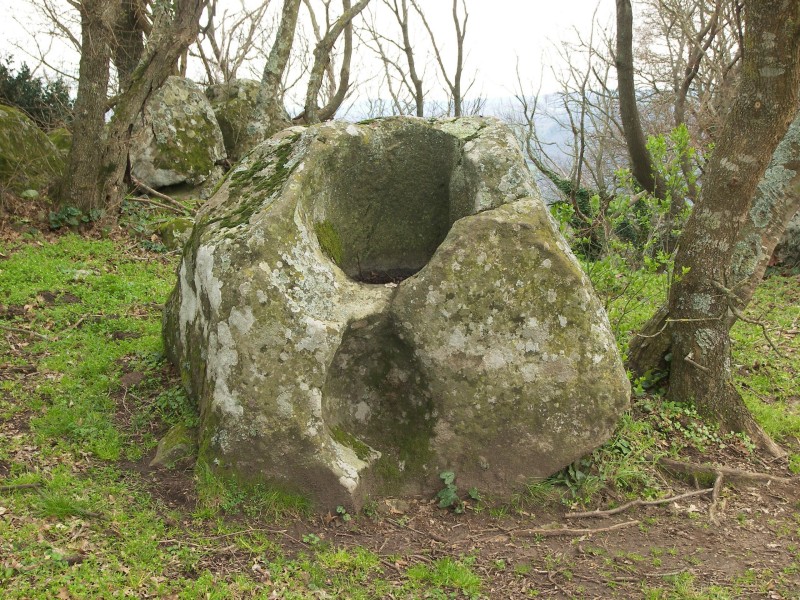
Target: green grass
768, 379
685, 587
446, 573
89, 527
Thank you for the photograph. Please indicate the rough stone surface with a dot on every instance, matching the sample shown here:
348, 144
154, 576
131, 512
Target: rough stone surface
180, 140
28, 159
787, 252
175, 232
62, 139
316, 371
234, 103
179, 444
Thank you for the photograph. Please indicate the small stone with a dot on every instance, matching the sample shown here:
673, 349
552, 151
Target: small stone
178, 444
175, 232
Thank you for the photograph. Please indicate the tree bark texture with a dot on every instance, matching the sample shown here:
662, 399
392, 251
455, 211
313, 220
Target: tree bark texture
81, 186
639, 155
128, 40
270, 115
736, 222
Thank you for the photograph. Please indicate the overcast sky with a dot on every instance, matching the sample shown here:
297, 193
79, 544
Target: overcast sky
498, 33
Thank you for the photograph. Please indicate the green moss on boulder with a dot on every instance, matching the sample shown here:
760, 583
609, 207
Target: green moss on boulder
175, 232
28, 159
178, 445
361, 307
62, 139
180, 141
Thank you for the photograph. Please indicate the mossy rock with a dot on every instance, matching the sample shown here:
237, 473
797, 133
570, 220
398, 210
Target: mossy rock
62, 139
361, 307
178, 445
28, 159
180, 141
234, 104
175, 232
787, 252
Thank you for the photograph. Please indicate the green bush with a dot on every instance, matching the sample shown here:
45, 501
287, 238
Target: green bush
48, 103
632, 224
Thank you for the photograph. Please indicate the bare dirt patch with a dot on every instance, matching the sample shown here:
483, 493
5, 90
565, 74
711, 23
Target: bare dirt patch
748, 539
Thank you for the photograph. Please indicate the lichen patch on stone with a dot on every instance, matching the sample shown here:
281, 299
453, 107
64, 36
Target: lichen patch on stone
400, 305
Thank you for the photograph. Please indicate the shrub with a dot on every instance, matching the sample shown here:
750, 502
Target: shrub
48, 103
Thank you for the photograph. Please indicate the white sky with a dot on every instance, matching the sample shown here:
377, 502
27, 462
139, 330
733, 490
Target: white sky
498, 33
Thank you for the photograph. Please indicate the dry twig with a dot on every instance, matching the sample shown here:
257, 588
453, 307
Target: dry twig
25, 331
603, 514
569, 531
169, 199
19, 486
435, 537
146, 200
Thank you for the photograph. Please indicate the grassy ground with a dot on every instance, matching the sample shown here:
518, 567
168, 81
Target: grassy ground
85, 394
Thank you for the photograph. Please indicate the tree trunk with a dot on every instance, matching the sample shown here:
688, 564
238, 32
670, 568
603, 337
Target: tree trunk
270, 115
80, 187
174, 29
736, 223
129, 41
639, 155
322, 58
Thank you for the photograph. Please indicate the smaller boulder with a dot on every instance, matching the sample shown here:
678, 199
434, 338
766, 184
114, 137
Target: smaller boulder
180, 141
28, 159
62, 139
234, 103
178, 445
175, 232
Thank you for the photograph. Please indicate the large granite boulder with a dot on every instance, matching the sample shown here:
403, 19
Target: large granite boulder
361, 307
28, 159
180, 140
234, 105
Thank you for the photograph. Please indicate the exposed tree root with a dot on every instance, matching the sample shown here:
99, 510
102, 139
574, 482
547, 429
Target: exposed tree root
713, 472
568, 531
603, 514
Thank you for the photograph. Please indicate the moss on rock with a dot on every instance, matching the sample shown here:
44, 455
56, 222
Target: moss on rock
494, 361
179, 444
28, 159
329, 240
180, 140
